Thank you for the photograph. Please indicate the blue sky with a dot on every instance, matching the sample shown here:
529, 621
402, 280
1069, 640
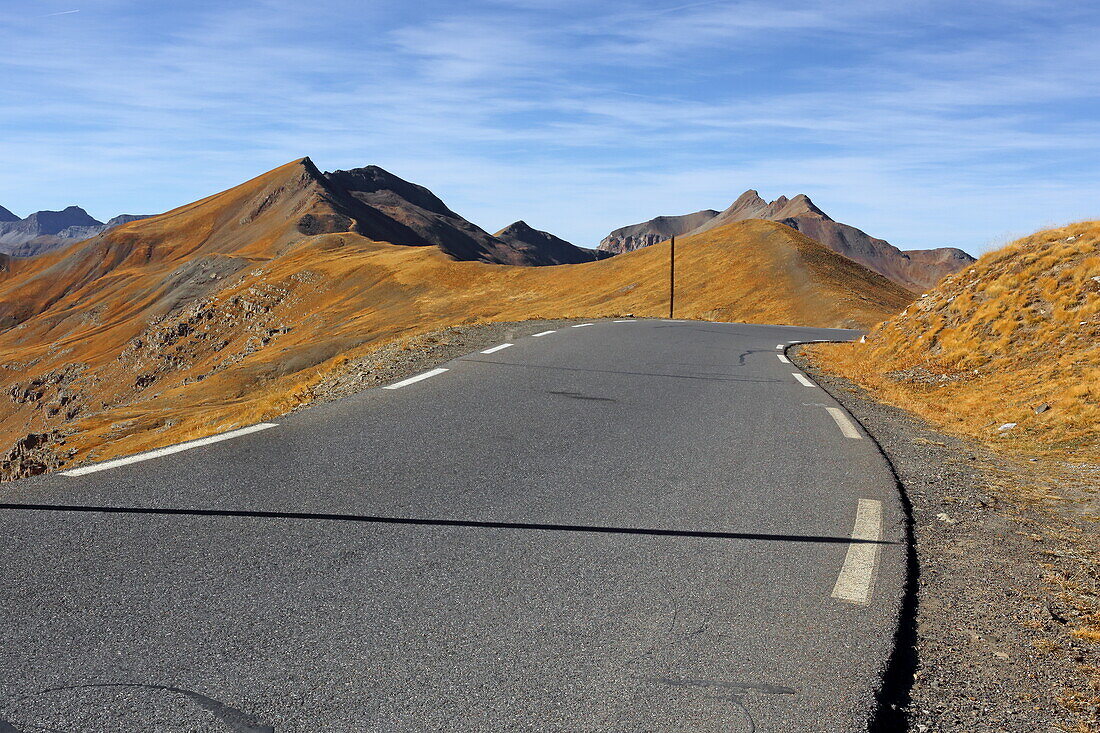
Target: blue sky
925, 123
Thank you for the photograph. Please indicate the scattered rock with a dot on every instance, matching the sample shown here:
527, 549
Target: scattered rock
1042, 408
1006, 426
33, 454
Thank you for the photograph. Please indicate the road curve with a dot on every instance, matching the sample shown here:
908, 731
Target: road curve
622, 526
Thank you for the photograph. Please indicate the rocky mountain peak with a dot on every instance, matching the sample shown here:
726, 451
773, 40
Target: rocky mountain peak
552, 249
517, 228
376, 182
52, 222
752, 196
800, 205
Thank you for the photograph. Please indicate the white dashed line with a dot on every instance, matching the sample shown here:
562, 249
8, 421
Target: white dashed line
783, 359
414, 380
581, 325
802, 379
780, 346
495, 349
856, 581
846, 426
543, 333
627, 320
168, 451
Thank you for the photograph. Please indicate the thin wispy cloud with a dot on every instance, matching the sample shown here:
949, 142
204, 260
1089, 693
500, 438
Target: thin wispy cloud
921, 126
63, 12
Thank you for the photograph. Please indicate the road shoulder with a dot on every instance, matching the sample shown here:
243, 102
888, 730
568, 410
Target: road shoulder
1007, 587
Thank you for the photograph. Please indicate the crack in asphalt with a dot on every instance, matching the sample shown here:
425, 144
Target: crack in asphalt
237, 720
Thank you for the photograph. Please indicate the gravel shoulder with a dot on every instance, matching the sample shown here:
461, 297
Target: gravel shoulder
1003, 630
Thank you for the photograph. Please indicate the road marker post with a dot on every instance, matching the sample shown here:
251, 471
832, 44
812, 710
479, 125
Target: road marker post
671, 276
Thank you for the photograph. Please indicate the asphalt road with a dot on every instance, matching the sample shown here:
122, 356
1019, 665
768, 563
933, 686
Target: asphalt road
624, 526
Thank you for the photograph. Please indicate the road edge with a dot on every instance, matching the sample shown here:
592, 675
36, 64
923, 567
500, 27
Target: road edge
893, 696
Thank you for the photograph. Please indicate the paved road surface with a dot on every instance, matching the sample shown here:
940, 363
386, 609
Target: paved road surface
623, 526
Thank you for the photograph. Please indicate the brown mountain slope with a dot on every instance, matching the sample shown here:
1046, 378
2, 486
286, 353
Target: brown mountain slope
916, 270
230, 310
389, 209
1013, 339
521, 235
369, 201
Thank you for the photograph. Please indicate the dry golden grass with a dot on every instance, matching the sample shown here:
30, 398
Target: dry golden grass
1087, 633
221, 313
989, 345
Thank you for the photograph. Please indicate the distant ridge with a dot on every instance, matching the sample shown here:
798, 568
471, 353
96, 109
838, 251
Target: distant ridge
522, 236
636, 236
44, 231
915, 269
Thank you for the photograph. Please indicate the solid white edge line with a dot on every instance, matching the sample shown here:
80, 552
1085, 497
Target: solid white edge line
496, 349
178, 448
802, 379
856, 581
783, 359
581, 325
544, 333
417, 378
846, 426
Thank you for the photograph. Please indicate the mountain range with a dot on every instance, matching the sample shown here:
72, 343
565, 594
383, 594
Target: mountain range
381, 206
233, 308
43, 231
913, 269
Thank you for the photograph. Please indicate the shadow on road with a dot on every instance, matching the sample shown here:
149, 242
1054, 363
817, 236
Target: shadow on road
429, 522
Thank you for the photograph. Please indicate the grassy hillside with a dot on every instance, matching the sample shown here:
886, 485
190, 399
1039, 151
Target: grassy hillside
1013, 339
224, 312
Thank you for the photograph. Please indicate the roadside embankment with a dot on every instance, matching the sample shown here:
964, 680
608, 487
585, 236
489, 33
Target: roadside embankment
1008, 594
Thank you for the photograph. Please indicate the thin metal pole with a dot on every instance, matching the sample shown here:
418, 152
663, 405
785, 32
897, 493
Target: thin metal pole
671, 276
